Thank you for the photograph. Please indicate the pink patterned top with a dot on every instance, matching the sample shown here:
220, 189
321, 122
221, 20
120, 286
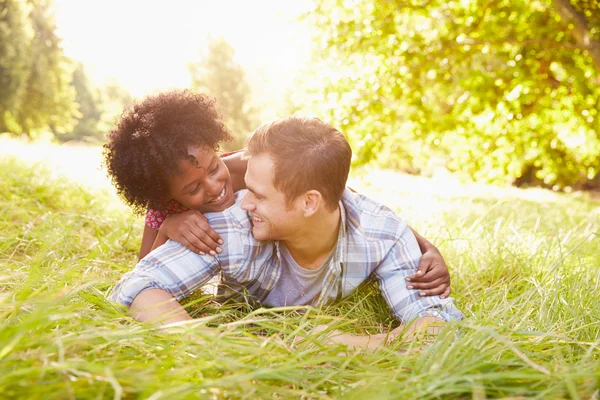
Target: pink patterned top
155, 218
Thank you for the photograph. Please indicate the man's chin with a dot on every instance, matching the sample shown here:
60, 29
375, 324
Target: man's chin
258, 235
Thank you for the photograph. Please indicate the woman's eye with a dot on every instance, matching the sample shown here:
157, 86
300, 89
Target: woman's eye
214, 170
195, 190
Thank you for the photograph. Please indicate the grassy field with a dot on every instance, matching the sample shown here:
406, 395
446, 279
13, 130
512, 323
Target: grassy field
525, 269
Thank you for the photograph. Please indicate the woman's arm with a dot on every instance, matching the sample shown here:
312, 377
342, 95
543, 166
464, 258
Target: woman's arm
149, 238
237, 169
190, 228
424, 244
432, 277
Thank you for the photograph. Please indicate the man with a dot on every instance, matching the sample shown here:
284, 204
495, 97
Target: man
297, 236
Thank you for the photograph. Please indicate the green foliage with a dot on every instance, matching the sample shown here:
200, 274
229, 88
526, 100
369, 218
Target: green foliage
38, 74
42, 90
524, 272
15, 55
89, 108
498, 90
220, 76
99, 107
113, 98
48, 100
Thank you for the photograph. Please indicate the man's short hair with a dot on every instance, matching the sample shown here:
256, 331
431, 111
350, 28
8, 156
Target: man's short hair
307, 154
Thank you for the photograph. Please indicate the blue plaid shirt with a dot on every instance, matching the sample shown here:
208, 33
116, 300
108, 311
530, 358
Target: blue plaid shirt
373, 242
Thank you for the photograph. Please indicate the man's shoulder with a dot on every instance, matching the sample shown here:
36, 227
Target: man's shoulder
370, 217
232, 224
232, 218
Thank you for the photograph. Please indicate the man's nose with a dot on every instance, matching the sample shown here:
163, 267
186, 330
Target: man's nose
247, 204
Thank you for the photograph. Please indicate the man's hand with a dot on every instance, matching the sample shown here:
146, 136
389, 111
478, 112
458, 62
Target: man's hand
192, 230
354, 342
424, 329
432, 277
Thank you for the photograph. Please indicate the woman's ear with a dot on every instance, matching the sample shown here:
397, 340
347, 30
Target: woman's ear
312, 202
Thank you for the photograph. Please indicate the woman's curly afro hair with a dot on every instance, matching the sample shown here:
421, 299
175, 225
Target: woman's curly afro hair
152, 136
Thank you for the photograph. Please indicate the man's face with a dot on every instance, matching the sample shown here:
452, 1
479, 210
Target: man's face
204, 184
272, 217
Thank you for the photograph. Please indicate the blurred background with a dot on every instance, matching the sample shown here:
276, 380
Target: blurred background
494, 91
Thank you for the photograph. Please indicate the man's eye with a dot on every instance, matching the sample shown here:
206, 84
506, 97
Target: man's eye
195, 190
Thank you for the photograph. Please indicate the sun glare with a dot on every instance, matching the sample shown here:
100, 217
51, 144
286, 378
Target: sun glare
146, 45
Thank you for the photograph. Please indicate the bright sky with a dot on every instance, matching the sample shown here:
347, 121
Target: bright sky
146, 45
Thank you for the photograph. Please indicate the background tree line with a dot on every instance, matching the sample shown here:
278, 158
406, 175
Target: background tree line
42, 90
498, 90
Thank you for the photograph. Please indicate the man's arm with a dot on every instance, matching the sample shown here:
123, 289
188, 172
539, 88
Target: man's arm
407, 305
157, 306
420, 315
168, 273
422, 326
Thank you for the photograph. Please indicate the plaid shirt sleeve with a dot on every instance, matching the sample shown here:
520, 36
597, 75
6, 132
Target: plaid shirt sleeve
170, 267
401, 261
179, 271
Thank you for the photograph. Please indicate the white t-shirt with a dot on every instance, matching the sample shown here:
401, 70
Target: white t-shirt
296, 286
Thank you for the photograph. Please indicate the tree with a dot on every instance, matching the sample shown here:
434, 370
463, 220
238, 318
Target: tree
113, 99
502, 90
220, 76
90, 113
37, 74
48, 101
99, 107
15, 56
582, 20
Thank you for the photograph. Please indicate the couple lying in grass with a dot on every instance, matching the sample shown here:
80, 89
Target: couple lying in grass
275, 223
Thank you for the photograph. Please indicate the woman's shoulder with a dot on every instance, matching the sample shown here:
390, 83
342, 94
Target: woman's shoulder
155, 217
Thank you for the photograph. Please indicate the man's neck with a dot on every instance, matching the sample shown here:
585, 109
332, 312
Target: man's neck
311, 246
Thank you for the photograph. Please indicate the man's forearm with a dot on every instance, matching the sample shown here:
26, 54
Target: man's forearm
421, 327
158, 307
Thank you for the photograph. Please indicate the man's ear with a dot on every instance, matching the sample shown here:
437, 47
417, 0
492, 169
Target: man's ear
312, 202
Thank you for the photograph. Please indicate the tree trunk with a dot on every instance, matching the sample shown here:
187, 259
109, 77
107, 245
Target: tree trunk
580, 31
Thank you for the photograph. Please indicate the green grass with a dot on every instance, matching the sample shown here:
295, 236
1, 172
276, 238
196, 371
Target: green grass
525, 273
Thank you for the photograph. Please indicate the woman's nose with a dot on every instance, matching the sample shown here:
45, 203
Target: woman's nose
214, 187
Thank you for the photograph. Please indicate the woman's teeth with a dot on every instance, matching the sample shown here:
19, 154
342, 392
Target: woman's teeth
256, 219
220, 196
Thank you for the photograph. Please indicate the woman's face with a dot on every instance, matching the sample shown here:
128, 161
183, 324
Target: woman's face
204, 183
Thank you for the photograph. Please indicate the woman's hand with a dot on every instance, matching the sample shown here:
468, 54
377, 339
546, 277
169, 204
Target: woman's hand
191, 229
432, 277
